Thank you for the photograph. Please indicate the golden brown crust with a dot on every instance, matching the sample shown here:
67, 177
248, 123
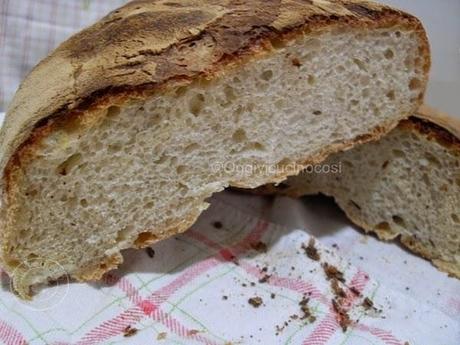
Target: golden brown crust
438, 126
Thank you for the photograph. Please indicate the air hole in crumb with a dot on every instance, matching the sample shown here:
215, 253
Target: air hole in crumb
12, 262
398, 153
65, 167
229, 93
278, 43
360, 64
114, 148
389, 54
123, 233
317, 112
181, 169
32, 193
426, 179
398, 34
399, 220
250, 107
113, 111
364, 80
238, 111
239, 135
181, 90
414, 84
145, 238
391, 95
196, 104
311, 79
432, 159
408, 62
32, 256
83, 202
279, 104
161, 159
256, 146
296, 62
455, 218
190, 148
267, 75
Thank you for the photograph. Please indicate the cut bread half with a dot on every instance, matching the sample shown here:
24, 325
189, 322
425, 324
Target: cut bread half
118, 137
405, 185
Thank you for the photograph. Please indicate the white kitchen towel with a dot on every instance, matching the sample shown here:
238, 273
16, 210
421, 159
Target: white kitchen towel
235, 278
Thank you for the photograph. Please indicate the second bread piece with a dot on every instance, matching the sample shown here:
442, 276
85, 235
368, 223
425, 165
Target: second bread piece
405, 185
115, 140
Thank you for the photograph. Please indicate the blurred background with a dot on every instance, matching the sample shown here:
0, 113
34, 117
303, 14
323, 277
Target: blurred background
29, 29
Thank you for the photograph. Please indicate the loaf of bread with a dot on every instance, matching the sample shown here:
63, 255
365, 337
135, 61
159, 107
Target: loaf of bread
406, 186
115, 139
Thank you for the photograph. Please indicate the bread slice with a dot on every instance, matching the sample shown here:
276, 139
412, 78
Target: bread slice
406, 186
115, 140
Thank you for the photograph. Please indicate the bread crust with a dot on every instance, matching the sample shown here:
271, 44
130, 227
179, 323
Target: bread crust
438, 125
146, 47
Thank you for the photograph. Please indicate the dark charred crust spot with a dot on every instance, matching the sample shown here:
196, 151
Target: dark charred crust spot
361, 10
120, 32
432, 131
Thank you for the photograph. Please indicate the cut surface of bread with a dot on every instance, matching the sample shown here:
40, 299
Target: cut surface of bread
111, 144
405, 185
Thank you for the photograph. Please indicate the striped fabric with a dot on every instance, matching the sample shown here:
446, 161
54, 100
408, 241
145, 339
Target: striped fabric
30, 29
